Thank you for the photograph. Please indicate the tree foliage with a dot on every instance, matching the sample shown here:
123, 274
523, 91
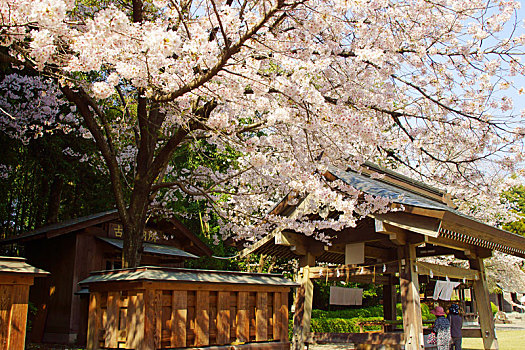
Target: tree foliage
516, 198
289, 87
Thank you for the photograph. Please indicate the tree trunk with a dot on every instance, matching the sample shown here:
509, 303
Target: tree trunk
133, 246
55, 195
135, 224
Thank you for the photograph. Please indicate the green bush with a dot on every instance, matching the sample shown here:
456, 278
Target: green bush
494, 308
334, 325
425, 312
371, 311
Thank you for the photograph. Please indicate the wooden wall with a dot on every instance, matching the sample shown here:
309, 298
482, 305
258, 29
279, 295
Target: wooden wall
160, 318
53, 295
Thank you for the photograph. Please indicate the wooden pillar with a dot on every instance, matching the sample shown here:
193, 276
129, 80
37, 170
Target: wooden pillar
389, 300
303, 311
482, 301
409, 286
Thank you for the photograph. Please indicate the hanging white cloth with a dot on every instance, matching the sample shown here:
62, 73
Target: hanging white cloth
346, 296
443, 290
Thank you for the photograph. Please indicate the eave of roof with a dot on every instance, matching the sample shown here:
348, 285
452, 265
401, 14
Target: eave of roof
452, 220
65, 226
151, 248
16, 265
162, 274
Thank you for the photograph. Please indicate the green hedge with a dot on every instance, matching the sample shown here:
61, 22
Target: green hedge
370, 311
334, 325
338, 325
346, 321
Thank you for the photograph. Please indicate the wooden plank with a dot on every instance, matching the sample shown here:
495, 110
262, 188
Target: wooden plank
202, 318
223, 318
284, 317
243, 320
424, 268
153, 320
6, 292
471, 333
179, 314
135, 319
277, 317
261, 317
18, 319
481, 298
112, 323
424, 225
410, 301
10, 279
303, 311
94, 321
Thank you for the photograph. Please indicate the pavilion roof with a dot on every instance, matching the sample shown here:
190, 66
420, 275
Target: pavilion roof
420, 208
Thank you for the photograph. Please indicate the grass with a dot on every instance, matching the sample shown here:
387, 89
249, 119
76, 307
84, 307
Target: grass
507, 339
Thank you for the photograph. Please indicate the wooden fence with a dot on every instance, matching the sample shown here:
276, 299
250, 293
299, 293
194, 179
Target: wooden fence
144, 315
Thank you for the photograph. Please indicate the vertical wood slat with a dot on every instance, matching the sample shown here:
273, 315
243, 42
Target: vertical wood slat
284, 317
94, 321
179, 314
202, 318
277, 317
135, 321
113, 313
6, 291
18, 318
223, 318
243, 321
153, 322
261, 319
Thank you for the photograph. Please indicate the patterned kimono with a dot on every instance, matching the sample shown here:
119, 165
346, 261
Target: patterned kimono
442, 329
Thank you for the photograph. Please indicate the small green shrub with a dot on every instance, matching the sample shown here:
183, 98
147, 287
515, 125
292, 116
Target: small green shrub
371, 311
494, 308
425, 312
334, 325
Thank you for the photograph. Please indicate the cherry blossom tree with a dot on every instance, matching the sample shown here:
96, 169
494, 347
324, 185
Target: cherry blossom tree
280, 90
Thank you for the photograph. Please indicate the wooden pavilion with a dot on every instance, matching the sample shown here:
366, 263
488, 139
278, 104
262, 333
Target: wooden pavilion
72, 249
384, 249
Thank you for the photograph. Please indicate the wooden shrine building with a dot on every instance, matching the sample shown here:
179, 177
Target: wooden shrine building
71, 250
384, 249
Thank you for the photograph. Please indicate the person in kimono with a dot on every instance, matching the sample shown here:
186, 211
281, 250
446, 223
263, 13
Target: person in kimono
442, 328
